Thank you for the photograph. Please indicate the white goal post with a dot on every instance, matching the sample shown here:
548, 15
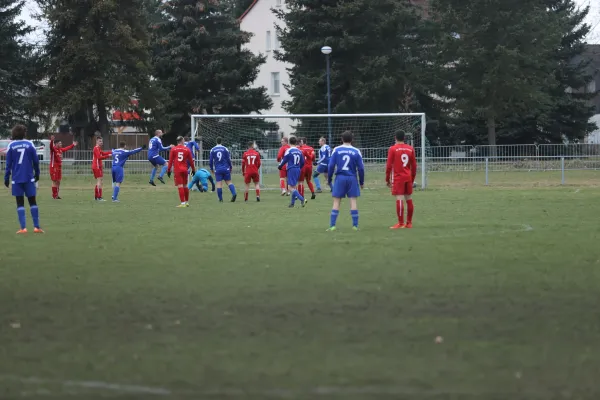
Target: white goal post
373, 133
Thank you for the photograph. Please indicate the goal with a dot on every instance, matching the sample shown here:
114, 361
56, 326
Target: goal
373, 134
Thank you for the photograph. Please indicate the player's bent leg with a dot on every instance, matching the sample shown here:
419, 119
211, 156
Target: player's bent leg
232, 190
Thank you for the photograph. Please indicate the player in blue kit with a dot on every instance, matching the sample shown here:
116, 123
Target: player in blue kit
193, 146
294, 159
154, 148
220, 165
201, 179
23, 165
346, 161
322, 163
119, 157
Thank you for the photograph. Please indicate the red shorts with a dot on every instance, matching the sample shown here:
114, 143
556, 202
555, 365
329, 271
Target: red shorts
306, 174
98, 173
400, 188
251, 177
180, 178
283, 173
55, 174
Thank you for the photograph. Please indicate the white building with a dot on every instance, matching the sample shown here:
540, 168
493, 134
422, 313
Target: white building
260, 20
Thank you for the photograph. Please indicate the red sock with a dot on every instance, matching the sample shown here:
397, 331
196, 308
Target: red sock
311, 187
400, 211
257, 192
301, 190
54, 192
187, 193
181, 194
411, 209
96, 192
99, 193
282, 184
246, 195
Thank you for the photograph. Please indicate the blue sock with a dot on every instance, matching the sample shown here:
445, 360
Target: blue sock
220, 194
333, 217
298, 195
354, 214
232, 188
35, 215
163, 171
294, 197
317, 182
152, 174
21, 214
116, 192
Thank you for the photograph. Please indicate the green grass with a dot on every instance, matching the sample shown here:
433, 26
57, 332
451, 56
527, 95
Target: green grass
257, 301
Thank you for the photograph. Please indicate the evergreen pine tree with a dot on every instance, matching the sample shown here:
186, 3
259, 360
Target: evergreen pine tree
200, 62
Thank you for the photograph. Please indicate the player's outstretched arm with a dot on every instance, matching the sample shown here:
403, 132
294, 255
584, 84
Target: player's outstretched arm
9, 166
331, 167
284, 161
389, 165
69, 147
190, 161
35, 161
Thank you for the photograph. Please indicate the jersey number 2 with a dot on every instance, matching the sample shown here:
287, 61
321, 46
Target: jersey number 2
346, 162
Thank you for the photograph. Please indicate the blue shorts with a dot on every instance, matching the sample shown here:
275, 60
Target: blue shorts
322, 168
345, 186
293, 176
117, 174
222, 176
26, 189
157, 161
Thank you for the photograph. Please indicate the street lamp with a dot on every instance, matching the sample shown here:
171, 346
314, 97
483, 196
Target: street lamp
327, 51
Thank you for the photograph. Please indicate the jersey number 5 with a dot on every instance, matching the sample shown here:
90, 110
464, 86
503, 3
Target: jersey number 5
180, 157
116, 158
405, 159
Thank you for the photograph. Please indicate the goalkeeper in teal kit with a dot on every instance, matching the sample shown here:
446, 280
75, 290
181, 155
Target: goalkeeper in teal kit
201, 179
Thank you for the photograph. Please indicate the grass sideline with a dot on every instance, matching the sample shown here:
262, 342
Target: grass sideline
254, 300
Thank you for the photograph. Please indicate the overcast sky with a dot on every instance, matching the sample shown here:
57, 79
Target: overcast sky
593, 19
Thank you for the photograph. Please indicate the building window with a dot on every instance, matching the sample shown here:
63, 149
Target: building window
278, 3
268, 40
275, 83
276, 42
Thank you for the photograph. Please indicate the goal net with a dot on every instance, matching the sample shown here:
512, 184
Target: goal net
373, 135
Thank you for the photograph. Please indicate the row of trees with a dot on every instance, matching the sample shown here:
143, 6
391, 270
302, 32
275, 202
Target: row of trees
481, 68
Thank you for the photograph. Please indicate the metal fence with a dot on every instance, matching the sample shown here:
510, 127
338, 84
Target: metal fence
484, 160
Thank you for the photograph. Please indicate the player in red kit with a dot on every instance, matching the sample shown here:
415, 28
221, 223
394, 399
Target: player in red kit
98, 167
56, 152
283, 171
180, 159
250, 168
403, 163
307, 170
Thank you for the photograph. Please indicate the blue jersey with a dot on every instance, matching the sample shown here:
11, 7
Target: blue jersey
22, 162
324, 154
347, 161
155, 147
193, 146
294, 158
120, 156
219, 159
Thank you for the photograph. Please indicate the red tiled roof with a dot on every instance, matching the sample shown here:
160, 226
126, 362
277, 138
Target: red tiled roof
247, 10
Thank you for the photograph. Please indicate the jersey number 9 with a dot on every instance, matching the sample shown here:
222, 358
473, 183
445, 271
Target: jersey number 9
404, 158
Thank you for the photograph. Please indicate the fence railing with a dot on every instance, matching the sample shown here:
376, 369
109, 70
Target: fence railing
438, 159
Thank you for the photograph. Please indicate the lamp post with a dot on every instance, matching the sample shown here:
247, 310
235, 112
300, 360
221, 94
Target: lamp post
327, 51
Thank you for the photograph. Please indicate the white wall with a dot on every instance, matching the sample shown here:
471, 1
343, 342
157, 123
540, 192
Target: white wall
594, 137
258, 21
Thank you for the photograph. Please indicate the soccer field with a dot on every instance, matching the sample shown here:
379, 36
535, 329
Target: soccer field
256, 301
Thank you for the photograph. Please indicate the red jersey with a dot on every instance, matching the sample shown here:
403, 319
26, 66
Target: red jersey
56, 154
99, 155
309, 155
402, 160
281, 152
250, 162
182, 158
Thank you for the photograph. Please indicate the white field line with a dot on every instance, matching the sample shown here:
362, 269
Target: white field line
326, 391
